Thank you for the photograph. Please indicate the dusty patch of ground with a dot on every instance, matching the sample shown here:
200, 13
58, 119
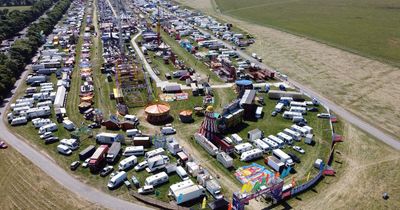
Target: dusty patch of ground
24, 186
365, 87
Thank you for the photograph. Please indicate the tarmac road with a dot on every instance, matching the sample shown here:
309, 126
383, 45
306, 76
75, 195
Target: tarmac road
346, 115
51, 168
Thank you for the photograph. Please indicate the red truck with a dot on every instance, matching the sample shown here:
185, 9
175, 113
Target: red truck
98, 158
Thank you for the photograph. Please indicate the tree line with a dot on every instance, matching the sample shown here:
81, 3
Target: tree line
12, 22
22, 51
6, 3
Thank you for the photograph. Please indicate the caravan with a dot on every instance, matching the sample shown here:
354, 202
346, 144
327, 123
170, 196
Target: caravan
301, 130
39, 122
157, 162
133, 150
291, 115
288, 139
296, 136
19, 121
277, 140
48, 128
299, 109
240, 148
251, 155
157, 179
261, 145
271, 143
152, 153
127, 163
236, 138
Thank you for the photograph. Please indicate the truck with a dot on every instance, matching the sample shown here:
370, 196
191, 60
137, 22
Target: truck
214, 188
274, 163
98, 157
109, 138
87, 152
282, 156
113, 152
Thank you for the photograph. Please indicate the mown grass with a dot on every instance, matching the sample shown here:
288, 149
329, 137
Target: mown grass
367, 27
20, 8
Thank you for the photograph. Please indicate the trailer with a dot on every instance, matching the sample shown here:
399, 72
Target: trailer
251, 155
303, 131
22, 104
298, 104
98, 157
48, 128
236, 138
206, 144
39, 122
302, 110
133, 150
274, 163
113, 152
127, 163
225, 159
87, 152
19, 110
109, 138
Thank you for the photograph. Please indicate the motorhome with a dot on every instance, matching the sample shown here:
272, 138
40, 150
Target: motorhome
69, 125
133, 150
117, 180
309, 129
48, 128
240, 148
259, 111
157, 162
258, 143
282, 156
157, 179
236, 138
152, 153
127, 163
251, 155
73, 144
295, 135
288, 139
182, 173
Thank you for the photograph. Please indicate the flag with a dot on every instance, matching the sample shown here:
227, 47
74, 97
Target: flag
203, 205
308, 176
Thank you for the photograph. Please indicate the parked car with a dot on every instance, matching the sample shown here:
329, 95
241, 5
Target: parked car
323, 115
85, 164
301, 123
51, 140
74, 165
294, 157
141, 166
135, 182
127, 184
147, 189
3, 145
106, 170
312, 109
299, 149
274, 113
46, 135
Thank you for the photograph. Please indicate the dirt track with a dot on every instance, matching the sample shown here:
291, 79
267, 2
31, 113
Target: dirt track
365, 87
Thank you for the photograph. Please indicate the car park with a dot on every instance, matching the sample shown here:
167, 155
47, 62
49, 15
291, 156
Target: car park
299, 149
74, 165
106, 171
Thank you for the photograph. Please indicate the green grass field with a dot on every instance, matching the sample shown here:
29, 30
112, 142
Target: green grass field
20, 8
368, 27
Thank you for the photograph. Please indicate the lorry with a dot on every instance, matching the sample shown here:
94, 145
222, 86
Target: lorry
98, 157
274, 163
214, 188
87, 152
282, 156
109, 138
113, 152
117, 180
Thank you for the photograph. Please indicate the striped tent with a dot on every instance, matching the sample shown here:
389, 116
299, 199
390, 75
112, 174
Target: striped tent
209, 127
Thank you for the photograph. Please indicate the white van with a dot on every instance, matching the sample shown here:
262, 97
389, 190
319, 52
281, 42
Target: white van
236, 138
133, 132
240, 148
157, 179
261, 145
19, 121
117, 180
279, 107
251, 155
288, 139
48, 128
127, 163
259, 111
72, 144
64, 149
296, 136
152, 153
182, 173
271, 143
133, 150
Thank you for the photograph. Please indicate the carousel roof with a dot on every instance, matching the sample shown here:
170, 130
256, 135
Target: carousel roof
157, 109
